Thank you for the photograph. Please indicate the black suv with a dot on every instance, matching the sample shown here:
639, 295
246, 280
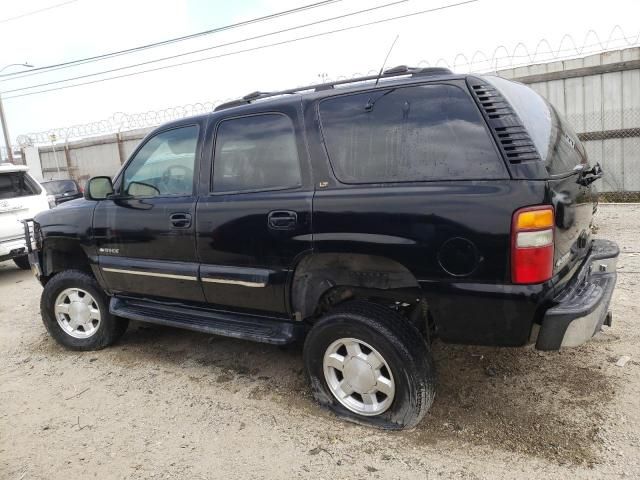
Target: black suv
63, 190
367, 217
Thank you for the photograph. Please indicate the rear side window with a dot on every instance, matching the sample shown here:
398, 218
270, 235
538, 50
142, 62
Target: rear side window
16, 184
257, 152
422, 133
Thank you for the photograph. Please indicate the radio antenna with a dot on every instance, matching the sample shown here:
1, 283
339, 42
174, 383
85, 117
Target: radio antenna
385, 60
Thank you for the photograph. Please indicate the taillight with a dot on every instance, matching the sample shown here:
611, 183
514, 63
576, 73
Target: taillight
532, 245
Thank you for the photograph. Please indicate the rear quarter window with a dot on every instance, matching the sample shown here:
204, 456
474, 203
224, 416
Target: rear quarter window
17, 184
418, 133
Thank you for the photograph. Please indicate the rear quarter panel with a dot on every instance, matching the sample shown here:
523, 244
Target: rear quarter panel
431, 230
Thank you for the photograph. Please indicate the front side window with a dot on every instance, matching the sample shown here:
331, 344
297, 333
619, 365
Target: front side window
256, 153
421, 133
164, 165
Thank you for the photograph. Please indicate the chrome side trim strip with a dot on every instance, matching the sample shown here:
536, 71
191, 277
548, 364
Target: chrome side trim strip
234, 282
149, 274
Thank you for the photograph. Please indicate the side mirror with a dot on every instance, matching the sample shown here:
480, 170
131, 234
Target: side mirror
139, 189
98, 188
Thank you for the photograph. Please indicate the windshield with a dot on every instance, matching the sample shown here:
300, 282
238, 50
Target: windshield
60, 186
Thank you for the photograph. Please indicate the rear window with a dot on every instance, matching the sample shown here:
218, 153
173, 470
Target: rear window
60, 186
555, 140
16, 184
420, 133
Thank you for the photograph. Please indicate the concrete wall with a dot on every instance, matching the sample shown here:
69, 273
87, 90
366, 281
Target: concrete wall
600, 96
90, 157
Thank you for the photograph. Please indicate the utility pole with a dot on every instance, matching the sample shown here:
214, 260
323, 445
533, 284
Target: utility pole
5, 131
3, 120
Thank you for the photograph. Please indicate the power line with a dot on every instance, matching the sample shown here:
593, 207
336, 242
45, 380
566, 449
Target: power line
260, 47
33, 12
235, 42
96, 58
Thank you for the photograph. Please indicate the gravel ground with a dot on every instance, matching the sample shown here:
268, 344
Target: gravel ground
166, 403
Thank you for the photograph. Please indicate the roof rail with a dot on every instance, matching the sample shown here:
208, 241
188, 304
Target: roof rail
400, 70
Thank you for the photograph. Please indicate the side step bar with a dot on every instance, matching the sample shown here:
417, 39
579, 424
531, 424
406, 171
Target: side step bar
229, 324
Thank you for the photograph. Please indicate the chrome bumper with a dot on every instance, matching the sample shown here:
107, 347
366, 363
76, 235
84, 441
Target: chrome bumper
582, 308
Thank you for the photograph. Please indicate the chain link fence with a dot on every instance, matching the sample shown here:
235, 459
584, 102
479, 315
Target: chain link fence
612, 139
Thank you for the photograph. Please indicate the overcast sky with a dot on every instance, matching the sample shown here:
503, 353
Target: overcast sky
83, 28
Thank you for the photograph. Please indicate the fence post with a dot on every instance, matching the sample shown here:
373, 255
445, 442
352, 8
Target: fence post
121, 155
67, 159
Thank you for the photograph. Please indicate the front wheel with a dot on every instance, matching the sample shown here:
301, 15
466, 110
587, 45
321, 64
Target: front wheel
75, 312
370, 365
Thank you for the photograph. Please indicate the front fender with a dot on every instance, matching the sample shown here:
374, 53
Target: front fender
65, 238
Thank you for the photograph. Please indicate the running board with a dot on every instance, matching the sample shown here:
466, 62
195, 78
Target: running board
229, 324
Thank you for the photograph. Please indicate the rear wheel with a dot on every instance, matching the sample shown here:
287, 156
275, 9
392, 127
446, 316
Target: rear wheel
75, 312
22, 262
370, 365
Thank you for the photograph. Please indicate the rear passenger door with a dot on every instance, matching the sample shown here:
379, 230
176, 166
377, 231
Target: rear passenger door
254, 215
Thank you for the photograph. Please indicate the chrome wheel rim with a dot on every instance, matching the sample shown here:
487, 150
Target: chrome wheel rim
77, 313
358, 376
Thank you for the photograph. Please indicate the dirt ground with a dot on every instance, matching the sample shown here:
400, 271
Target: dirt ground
166, 403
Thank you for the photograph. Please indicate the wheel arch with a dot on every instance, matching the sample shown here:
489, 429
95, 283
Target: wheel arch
329, 278
60, 254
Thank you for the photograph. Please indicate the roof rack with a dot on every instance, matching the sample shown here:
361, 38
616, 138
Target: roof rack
400, 70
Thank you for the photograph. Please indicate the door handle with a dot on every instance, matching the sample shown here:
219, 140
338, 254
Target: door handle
180, 220
282, 219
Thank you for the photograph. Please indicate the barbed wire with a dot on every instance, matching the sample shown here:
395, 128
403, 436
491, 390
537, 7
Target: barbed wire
118, 122
479, 62
520, 55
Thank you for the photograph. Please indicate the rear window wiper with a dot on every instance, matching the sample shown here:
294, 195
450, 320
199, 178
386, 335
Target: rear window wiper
587, 177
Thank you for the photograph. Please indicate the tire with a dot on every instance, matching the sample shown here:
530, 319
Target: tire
22, 262
383, 333
107, 330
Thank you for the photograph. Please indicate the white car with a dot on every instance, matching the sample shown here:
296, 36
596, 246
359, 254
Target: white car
21, 196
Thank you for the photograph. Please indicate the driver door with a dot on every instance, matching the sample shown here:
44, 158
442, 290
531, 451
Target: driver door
145, 234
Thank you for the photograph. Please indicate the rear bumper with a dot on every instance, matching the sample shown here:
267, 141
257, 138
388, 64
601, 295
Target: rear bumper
12, 248
583, 306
